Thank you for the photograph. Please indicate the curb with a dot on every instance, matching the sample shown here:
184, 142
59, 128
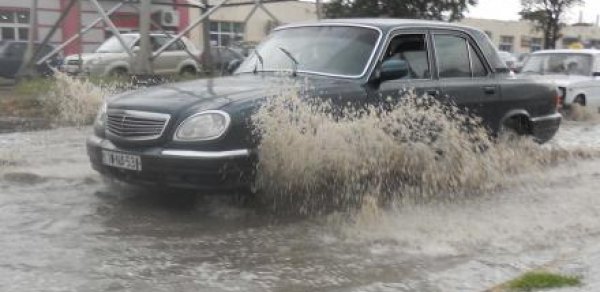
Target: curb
18, 124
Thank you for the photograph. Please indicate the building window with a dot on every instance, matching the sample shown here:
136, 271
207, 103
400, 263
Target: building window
506, 43
536, 44
225, 33
14, 25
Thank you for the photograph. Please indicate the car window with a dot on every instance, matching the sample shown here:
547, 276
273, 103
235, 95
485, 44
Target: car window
156, 42
452, 56
476, 63
339, 50
558, 64
176, 46
113, 45
411, 48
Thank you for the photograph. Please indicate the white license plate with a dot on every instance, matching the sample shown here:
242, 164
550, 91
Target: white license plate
121, 160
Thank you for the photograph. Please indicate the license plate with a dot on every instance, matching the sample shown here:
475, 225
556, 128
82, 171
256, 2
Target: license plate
122, 160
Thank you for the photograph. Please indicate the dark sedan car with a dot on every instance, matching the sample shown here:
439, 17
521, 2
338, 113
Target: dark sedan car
12, 54
198, 135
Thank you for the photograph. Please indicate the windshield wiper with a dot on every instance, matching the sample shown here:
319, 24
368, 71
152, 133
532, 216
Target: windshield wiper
261, 60
294, 61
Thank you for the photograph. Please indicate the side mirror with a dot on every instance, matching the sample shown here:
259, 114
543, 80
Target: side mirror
393, 69
233, 65
135, 49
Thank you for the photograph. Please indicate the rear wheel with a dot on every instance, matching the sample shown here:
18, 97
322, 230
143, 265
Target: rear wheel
188, 72
514, 127
118, 72
580, 100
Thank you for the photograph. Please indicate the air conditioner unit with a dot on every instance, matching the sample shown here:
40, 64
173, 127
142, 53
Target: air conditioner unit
169, 18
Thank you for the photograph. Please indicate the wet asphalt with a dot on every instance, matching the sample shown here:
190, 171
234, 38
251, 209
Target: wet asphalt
62, 228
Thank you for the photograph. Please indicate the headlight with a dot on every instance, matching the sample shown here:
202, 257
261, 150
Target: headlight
101, 116
94, 62
207, 125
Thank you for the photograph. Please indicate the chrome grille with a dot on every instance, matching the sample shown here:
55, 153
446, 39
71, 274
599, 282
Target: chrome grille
75, 62
136, 125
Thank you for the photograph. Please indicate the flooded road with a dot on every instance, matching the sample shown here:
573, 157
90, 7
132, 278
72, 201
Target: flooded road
63, 229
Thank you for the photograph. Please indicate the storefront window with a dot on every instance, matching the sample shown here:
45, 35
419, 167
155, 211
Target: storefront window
14, 25
224, 33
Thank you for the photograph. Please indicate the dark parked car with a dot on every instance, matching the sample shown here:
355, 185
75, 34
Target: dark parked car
12, 54
223, 56
198, 135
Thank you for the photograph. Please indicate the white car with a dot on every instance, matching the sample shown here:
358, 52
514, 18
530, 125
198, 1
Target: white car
576, 72
112, 59
509, 59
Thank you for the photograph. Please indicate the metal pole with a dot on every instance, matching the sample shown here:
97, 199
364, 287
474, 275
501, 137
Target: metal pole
162, 29
55, 27
112, 27
26, 68
187, 29
268, 12
75, 37
319, 9
207, 61
143, 62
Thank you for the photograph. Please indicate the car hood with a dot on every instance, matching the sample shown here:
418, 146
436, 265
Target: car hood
561, 80
216, 93
96, 56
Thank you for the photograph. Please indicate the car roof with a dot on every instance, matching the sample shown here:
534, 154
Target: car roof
381, 23
568, 51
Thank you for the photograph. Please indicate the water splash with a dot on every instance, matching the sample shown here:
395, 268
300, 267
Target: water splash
75, 101
581, 113
418, 150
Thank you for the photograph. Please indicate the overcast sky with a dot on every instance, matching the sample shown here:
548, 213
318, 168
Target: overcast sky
509, 9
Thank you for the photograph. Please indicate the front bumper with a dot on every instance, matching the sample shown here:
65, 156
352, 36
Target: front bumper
172, 168
545, 127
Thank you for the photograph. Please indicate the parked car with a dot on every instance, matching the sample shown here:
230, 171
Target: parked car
198, 134
222, 57
521, 59
12, 54
112, 59
576, 72
509, 59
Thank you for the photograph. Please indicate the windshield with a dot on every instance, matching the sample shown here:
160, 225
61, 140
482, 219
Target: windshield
330, 50
562, 64
112, 45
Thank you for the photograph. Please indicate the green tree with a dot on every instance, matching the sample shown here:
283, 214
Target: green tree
548, 17
450, 10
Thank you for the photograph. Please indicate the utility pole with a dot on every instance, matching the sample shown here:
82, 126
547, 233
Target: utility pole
206, 55
28, 65
143, 64
319, 9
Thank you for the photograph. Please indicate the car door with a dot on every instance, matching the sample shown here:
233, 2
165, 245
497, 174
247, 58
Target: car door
414, 48
167, 61
465, 80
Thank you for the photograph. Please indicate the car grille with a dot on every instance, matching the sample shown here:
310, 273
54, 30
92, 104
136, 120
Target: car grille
136, 125
76, 62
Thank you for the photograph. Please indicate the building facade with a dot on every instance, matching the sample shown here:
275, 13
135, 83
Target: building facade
521, 36
15, 16
226, 24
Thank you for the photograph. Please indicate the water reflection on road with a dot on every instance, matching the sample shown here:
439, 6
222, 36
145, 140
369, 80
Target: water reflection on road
63, 229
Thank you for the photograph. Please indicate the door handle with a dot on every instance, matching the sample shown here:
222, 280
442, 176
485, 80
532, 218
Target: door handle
433, 92
489, 89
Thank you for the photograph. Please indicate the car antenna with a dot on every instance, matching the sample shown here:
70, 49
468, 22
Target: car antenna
261, 60
294, 61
